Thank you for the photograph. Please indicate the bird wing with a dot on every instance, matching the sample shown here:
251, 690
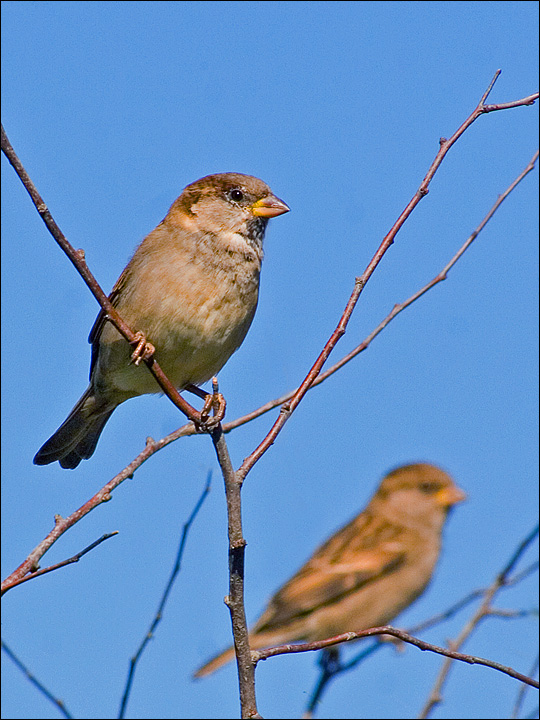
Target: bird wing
101, 319
363, 551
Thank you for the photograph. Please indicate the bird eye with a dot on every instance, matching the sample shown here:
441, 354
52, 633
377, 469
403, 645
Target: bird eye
428, 488
236, 195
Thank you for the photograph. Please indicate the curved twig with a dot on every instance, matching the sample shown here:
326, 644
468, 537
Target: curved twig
77, 258
258, 655
159, 614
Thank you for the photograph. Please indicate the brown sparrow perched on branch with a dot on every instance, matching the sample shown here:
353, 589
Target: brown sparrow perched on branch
191, 288
368, 571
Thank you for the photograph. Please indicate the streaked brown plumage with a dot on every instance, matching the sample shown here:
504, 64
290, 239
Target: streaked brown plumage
368, 571
191, 288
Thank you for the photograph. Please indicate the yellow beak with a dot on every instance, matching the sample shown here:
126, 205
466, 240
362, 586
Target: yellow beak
449, 496
269, 207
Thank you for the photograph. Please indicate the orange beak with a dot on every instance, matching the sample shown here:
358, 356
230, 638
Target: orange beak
450, 496
269, 207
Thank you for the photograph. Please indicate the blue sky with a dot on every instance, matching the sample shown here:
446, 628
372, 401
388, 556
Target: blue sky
114, 108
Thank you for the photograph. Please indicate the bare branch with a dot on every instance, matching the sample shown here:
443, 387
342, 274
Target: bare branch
77, 258
69, 561
56, 701
396, 310
159, 614
289, 406
62, 524
401, 635
235, 598
523, 690
435, 697
233, 480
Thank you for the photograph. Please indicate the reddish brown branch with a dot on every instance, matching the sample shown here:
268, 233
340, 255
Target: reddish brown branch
62, 524
401, 635
332, 666
288, 407
153, 446
396, 310
77, 258
233, 480
485, 609
59, 565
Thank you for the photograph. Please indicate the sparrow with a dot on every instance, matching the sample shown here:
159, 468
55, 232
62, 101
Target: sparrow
191, 288
367, 572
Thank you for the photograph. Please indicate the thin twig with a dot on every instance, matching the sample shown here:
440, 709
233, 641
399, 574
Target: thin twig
63, 524
258, 655
236, 559
435, 696
153, 446
69, 561
330, 671
524, 544
288, 407
77, 259
159, 614
523, 690
330, 667
56, 701
396, 310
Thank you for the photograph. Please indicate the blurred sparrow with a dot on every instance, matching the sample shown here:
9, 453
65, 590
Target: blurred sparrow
191, 288
368, 571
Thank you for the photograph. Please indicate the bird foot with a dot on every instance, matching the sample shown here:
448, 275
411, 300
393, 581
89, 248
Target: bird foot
216, 402
143, 349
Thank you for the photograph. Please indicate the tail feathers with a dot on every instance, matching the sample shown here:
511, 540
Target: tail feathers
256, 641
215, 663
77, 437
